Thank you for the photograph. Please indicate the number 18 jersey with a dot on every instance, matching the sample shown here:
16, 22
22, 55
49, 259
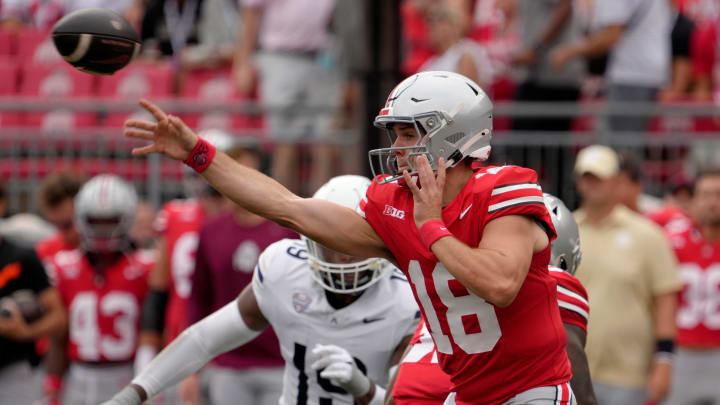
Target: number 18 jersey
491, 353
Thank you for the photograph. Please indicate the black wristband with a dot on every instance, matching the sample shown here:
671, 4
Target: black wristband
665, 346
153, 311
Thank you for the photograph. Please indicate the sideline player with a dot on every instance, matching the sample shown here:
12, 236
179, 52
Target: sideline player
697, 361
474, 242
420, 381
315, 299
102, 284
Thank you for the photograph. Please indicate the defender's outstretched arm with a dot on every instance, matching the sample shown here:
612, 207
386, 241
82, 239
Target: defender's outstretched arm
231, 326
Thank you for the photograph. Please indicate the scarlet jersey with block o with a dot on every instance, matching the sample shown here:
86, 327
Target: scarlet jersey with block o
698, 317
486, 349
103, 308
179, 222
421, 380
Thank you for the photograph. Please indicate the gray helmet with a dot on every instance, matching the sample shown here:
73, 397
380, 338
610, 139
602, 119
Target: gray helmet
452, 112
104, 213
566, 247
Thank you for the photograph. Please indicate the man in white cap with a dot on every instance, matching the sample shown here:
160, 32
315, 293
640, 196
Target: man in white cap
629, 272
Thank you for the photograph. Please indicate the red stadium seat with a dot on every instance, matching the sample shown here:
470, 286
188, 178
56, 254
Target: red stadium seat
9, 78
37, 48
8, 43
135, 82
216, 86
59, 82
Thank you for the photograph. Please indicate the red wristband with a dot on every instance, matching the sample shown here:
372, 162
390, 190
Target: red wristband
52, 384
433, 230
201, 156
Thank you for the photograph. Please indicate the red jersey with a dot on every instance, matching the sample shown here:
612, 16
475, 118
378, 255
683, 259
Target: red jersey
698, 317
672, 219
487, 350
420, 379
104, 312
572, 298
47, 248
179, 223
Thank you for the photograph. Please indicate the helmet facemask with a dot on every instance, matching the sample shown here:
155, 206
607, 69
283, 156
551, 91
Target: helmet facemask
343, 274
104, 235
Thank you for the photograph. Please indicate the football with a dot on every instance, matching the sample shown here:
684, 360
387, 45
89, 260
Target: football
96, 40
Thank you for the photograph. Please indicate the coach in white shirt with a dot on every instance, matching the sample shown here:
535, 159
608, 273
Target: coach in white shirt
636, 33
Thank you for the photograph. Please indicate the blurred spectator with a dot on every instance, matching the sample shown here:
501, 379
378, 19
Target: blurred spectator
169, 26
697, 362
446, 26
29, 308
42, 14
142, 233
628, 269
636, 33
494, 25
682, 75
545, 25
227, 254
217, 35
630, 188
297, 75
102, 284
56, 200
705, 15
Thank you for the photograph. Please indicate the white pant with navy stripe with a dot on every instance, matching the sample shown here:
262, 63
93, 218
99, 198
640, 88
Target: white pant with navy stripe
553, 395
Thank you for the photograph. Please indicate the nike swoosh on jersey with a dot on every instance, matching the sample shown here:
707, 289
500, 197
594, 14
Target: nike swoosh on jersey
462, 214
371, 320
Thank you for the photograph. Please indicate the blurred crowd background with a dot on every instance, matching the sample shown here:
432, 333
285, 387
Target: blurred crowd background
299, 82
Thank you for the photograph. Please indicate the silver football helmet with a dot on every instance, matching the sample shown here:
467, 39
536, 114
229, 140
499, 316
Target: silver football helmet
451, 112
565, 249
104, 213
335, 271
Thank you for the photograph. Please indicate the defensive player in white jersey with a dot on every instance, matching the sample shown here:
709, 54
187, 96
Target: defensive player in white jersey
315, 299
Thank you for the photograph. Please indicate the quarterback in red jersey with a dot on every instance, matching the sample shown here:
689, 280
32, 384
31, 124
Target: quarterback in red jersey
697, 359
474, 243
102, 284
420, 379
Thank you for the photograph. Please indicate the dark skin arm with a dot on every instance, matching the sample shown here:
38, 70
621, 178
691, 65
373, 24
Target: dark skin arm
391, 383
580, 383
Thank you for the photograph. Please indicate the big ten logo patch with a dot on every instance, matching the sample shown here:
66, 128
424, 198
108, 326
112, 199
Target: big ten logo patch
394, 212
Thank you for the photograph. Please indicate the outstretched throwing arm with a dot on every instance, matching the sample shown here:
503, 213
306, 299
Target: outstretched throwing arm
334, 226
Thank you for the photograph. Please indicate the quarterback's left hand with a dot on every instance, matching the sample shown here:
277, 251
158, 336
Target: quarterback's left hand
339, 367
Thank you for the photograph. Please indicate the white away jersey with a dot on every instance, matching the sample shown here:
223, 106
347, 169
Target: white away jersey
296, 306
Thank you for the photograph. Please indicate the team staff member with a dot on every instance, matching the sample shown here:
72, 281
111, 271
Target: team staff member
628, 269
21, 272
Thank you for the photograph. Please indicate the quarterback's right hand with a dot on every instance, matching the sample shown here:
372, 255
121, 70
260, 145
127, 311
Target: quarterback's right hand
126, 396
169, 135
